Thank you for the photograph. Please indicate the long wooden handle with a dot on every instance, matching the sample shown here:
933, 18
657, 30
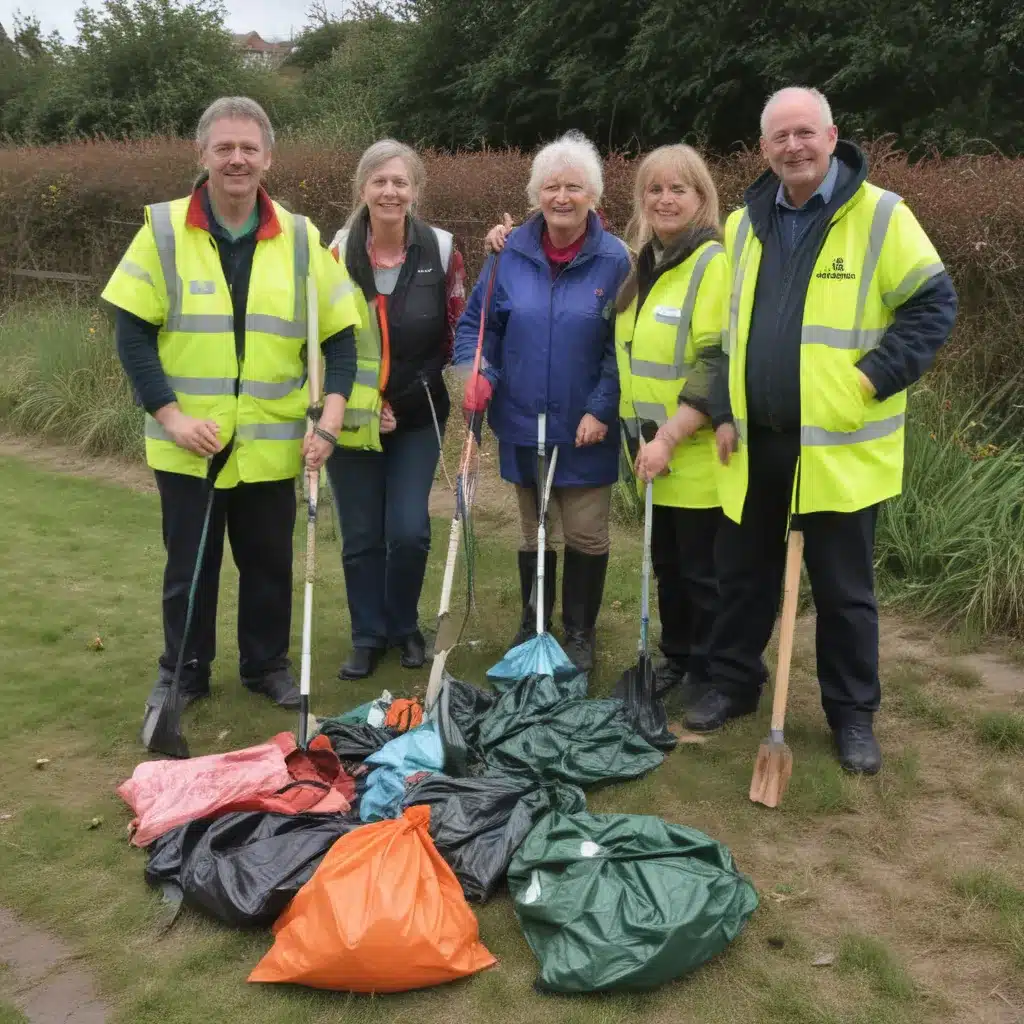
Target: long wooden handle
791, 595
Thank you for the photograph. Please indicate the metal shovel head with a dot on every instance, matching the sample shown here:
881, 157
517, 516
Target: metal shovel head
161, 727
635, 689
772, 770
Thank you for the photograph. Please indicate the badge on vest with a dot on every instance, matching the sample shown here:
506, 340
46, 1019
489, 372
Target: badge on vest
667, 314
202, 287
837, 272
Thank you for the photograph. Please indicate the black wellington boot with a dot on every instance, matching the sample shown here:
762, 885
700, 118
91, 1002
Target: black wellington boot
582, 591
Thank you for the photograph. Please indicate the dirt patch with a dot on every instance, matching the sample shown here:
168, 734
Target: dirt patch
64, 459
42, 978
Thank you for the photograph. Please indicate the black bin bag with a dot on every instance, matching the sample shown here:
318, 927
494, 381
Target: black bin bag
243, 868
478, 823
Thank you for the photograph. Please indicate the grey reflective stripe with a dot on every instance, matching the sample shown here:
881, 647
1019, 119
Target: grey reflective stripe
876, 237
658, 371
367, 377
836, 337
651, 411
132, 269
202, 385
819, 436
272, 431
272, 389
631, 427
910, 284
356, 418
341, 291
267, 324
155, 432
741, 429
679, 367
739, 242
163, 234
302, 268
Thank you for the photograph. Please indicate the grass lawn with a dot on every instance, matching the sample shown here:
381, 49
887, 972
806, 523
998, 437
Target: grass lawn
912, 882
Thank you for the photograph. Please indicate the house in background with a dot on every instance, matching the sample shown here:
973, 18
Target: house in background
256, 50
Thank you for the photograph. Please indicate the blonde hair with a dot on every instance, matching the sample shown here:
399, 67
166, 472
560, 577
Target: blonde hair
688, 165
376, 156
573, 150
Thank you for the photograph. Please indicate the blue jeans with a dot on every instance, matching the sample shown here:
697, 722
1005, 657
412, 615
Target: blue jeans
385, 532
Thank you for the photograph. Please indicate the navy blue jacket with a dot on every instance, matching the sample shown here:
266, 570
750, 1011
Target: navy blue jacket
549, 346
907, 349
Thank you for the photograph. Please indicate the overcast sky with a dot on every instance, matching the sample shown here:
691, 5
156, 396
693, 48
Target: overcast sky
273, 19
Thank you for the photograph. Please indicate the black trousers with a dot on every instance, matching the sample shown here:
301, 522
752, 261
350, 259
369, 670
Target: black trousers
683, 559
260, 520
751, 561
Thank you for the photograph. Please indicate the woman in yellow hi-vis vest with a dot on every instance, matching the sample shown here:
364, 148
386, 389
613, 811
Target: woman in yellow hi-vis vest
668, 323
210, 302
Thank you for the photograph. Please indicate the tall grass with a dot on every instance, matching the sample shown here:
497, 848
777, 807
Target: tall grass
950, 546
60, 378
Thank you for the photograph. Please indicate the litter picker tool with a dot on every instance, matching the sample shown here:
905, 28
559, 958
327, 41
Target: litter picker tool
312, 496
774, 763
541, 654
161, 726
448, 632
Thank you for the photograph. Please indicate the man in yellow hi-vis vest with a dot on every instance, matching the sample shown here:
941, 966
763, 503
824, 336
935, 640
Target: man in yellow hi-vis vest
211, 328
838, 302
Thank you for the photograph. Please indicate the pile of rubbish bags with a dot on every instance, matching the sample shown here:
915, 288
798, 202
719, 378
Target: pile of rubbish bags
364, 852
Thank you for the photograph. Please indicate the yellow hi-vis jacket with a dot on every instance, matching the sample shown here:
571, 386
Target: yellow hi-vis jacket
171, 276
657, 349
875, 256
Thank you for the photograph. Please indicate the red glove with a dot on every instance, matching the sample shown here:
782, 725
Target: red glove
477, 395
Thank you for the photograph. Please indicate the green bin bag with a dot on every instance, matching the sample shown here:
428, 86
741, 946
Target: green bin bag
624, 901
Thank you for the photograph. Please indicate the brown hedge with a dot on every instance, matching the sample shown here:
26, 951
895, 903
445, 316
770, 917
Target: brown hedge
74, 208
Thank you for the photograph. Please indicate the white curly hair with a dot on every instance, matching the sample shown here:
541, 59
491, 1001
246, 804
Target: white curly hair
575, 151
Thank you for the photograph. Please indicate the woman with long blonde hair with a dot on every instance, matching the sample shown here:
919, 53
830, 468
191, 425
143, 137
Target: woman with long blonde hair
669, 314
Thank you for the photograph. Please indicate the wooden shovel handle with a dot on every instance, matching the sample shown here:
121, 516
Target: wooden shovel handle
791, 594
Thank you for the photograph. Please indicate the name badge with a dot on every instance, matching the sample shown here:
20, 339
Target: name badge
201, 287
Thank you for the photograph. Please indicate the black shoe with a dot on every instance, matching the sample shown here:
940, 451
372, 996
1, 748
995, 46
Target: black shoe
858, 749
414, 650
668, 675
278, 685
194, 685
361, 663
714, 709
582, 590
527, 583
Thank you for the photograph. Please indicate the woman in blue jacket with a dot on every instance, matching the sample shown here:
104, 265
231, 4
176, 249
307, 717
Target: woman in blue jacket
549, 348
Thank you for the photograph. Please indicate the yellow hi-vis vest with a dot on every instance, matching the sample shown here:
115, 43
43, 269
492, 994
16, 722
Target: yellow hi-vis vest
875, 256
656, 351
171, 275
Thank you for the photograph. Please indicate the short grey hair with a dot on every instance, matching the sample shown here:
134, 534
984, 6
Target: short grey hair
573, 150
376, 156
791, 90
240, 107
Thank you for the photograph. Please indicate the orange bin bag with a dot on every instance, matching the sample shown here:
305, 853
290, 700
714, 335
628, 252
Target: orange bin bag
382, 913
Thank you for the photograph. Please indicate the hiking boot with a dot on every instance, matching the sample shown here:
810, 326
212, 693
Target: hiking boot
582, 590
527, 583
414, 650
278, 685
858, 750
361, 663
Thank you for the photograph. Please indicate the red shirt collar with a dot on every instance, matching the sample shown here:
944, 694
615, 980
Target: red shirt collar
269, 224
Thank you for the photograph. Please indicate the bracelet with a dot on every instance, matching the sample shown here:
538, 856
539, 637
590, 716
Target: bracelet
325, 435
